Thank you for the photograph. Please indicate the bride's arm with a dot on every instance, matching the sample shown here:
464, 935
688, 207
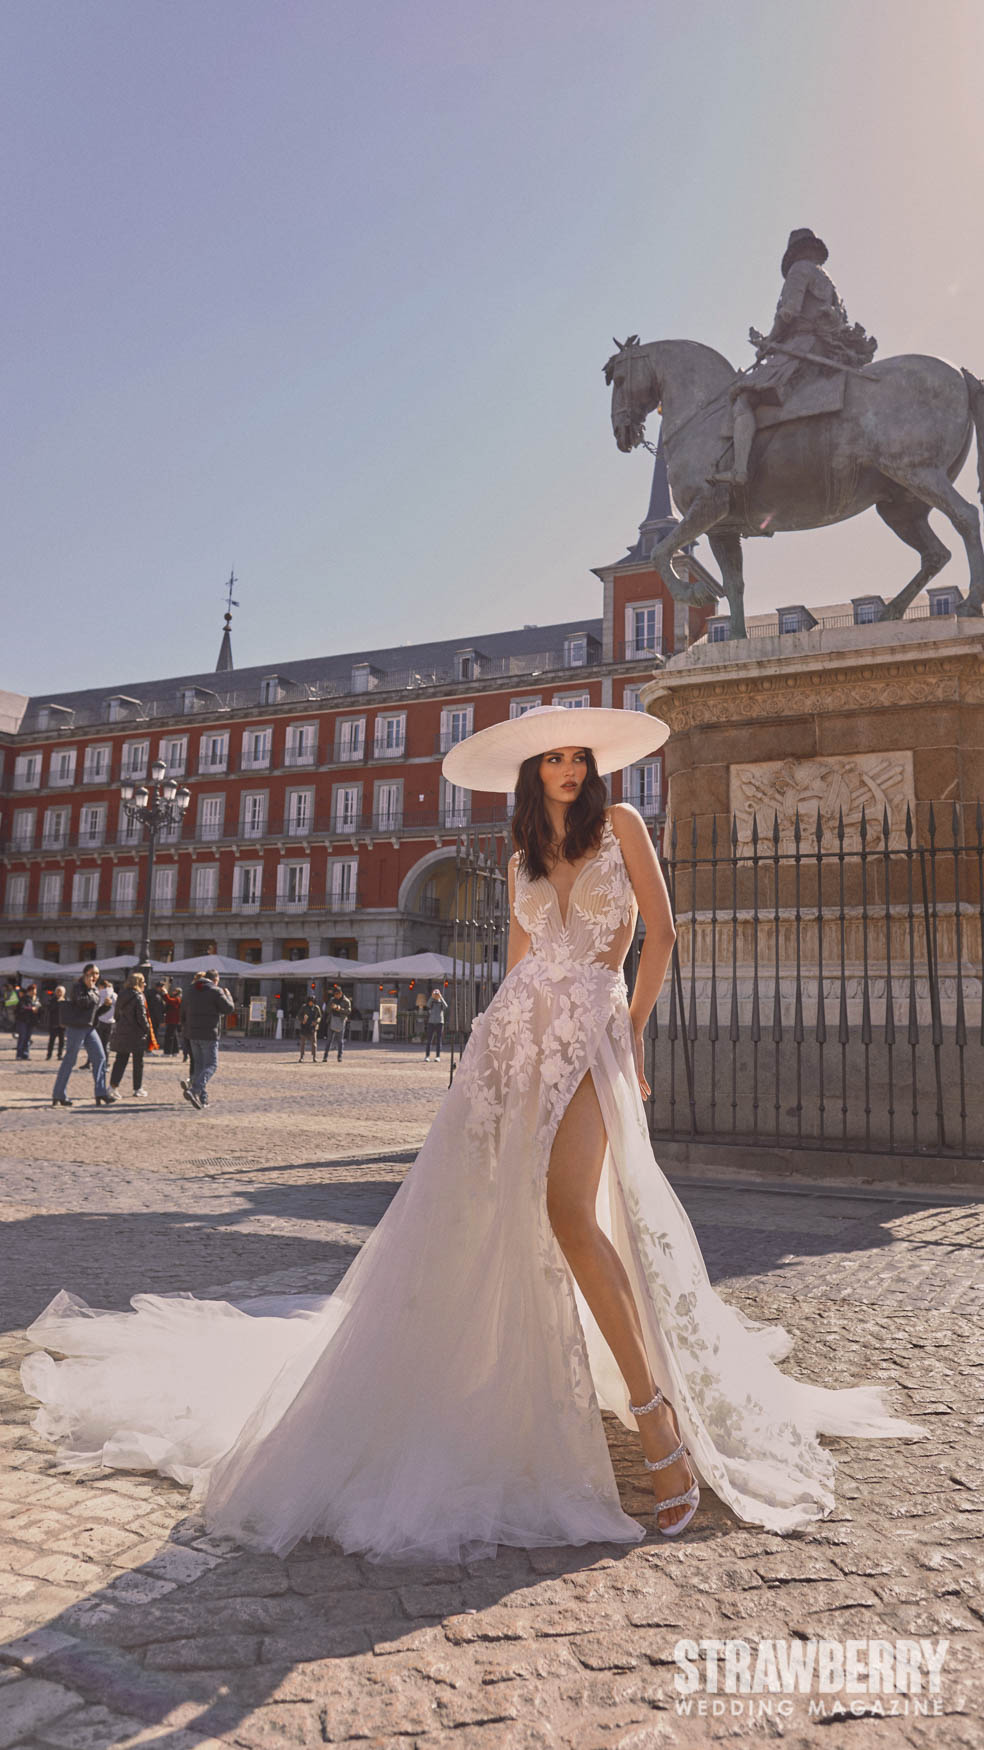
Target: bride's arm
646, 876
518, 939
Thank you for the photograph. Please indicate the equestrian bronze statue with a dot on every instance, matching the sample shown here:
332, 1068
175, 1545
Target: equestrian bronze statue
811, 434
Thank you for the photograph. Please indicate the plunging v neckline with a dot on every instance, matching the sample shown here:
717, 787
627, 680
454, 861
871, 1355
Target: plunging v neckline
585, 865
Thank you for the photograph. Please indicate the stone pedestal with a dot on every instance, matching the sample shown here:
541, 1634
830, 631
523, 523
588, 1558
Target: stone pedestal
880, 716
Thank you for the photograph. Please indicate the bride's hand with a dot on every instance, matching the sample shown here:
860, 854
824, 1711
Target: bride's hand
640, 1055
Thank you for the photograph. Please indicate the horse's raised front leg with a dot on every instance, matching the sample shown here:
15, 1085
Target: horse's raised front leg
933, 487
707, 509
727, 551
909, 519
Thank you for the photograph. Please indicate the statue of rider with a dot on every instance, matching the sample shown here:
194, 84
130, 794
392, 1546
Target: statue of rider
810, 318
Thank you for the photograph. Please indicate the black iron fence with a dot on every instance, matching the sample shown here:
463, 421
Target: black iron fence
826, 985
481, 929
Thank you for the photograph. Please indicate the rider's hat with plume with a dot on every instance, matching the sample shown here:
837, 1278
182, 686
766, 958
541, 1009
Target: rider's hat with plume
803, 242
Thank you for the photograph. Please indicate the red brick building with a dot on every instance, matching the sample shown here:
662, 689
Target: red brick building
319, 820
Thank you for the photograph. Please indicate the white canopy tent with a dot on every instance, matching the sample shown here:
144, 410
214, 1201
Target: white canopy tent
29, 962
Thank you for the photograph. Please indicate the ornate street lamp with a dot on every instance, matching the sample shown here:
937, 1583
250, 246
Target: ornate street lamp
160, 806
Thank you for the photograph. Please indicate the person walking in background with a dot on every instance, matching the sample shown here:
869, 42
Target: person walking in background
155, 1007
26, 1017
11, 997
339, 1010
107, 1014
56, 1026
81, 1010
172, 1020
437, 1009
202, 1011
308, 1022
131, 1034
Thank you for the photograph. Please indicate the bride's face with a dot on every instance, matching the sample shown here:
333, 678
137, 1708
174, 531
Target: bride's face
562, 772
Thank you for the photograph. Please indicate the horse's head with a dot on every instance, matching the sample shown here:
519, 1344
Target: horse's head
634, 394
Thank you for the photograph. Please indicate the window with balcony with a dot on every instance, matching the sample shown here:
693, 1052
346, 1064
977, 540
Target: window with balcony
390, 736
56, 824
211, 816
387, 809
204, 886
256, 750
248, 887
173, 751
350, 738
92, 825
254, 815
15, 898
50, 896
213, 752
632, 699
642, 785
165, 889
124, 892
23, 827
292, 886
455, 805
61, 767
343, 875
300, 812
519, 707
97, 762
573, 701
85, 893
302, 744
134, 760
643, 629
345, 807
456, 724
27, 771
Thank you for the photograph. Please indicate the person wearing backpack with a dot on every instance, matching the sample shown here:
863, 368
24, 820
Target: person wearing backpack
81, 1011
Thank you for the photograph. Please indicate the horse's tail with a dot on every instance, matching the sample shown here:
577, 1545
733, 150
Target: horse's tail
975, 391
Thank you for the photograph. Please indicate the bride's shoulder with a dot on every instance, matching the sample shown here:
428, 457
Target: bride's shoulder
625, 820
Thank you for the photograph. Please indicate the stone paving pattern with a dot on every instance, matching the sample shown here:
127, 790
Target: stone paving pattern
122, 1623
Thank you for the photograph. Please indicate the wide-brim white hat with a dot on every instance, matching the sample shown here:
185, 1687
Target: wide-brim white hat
490, 759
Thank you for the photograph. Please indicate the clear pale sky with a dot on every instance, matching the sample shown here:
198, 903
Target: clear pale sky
323, 291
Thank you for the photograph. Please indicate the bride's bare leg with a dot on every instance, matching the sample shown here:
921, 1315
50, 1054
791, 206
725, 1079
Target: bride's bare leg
576, 1160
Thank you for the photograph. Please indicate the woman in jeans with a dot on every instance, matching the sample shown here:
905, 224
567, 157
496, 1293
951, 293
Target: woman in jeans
131, 1033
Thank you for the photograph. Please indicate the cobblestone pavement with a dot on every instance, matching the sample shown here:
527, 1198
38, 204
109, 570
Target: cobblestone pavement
122, 1623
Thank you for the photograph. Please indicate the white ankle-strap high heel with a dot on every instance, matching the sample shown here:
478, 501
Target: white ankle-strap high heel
690, 1497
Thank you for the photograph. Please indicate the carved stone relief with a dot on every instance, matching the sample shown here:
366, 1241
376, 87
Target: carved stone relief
833, 783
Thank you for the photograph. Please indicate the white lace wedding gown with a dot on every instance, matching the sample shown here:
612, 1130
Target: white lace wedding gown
445, 1398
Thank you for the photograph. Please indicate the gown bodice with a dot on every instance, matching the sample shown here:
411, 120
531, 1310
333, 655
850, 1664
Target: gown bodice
601, 910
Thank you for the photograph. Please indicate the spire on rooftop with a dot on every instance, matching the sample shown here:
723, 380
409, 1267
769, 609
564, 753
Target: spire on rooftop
225, 663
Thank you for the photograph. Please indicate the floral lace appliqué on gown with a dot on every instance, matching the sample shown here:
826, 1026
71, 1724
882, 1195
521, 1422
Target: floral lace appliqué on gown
446, 1397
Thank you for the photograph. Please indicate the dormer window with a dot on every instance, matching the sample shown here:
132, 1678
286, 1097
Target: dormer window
365, 677
271, 690
943, 600
576, 650
867, 610
55, 717
120, 707
467, 665
798, 619
719, 631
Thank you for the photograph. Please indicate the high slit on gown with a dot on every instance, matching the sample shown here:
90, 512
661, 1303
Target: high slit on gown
445, 1398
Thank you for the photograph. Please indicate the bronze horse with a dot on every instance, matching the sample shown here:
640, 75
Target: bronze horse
898, 443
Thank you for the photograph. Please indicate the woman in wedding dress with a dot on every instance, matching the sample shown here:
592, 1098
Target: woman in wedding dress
534, 1268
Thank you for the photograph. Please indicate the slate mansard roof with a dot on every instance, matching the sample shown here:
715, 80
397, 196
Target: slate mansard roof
520, 653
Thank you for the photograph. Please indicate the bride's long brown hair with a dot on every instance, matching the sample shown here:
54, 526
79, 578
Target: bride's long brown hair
531, 829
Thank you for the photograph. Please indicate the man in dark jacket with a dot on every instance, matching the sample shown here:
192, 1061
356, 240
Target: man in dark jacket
81, 1010
27, 1015
308, 1022
339, 1014
202, 1013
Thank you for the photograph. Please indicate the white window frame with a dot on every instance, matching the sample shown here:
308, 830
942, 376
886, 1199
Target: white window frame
213, 751
124, 892
173, 750
254, 814
387, 745
85, 893
572, 701
56, 828
50, 893
457, 723
387, 804
642, 785
631, 699
519, 707
211, 818
15, 895
92, 826
576, 650
719, 631
350, 740
644, 644
255, 751
294, 887
248, 891
455, 805
942, 605
271, 691
23, 828
346, 807
299, 814
97, 772
302, 744
165, 889
204, 886
62, 757
790, 621
134, 759
343, 883
27, 771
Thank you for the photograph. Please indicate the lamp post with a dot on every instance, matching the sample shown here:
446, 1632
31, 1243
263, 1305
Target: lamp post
153, 808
